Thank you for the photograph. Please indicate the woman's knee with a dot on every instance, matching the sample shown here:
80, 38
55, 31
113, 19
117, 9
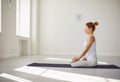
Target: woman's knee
76, 64
73, 65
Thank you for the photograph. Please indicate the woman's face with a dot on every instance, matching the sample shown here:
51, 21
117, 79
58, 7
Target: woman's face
87, 30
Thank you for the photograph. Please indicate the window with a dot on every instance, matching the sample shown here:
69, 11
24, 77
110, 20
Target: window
23, 18
0, 16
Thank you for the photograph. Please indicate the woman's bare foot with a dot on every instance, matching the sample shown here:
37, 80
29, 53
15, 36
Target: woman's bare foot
84, 59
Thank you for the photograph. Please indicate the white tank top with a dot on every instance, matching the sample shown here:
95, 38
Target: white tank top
91, 53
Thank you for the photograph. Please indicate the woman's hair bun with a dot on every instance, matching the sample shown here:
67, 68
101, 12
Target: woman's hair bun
96, 23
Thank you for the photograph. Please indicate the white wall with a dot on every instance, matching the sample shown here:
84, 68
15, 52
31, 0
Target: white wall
9, 44
61, 29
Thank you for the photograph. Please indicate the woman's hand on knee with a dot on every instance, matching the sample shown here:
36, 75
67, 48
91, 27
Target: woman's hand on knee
75, 59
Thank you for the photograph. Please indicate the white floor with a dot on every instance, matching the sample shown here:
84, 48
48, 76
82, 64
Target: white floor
15, 70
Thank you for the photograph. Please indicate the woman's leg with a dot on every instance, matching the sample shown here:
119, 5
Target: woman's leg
83, 63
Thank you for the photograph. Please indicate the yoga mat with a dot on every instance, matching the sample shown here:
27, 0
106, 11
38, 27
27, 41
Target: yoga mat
69, 66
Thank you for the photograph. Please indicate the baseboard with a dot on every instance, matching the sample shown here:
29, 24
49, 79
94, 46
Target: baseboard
3, 56
68, 53
58, 53
108, 54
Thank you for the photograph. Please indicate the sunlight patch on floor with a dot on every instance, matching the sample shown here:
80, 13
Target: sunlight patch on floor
58, 59
31, 70
64, 76
101, 63
14, 78
72, 77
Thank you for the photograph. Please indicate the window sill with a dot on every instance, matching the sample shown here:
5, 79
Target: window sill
23, 38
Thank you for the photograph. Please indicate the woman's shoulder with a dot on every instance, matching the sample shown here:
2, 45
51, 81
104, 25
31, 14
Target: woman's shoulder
91, 38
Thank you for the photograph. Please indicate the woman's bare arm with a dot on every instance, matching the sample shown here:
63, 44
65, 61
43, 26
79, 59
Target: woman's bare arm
88, 45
